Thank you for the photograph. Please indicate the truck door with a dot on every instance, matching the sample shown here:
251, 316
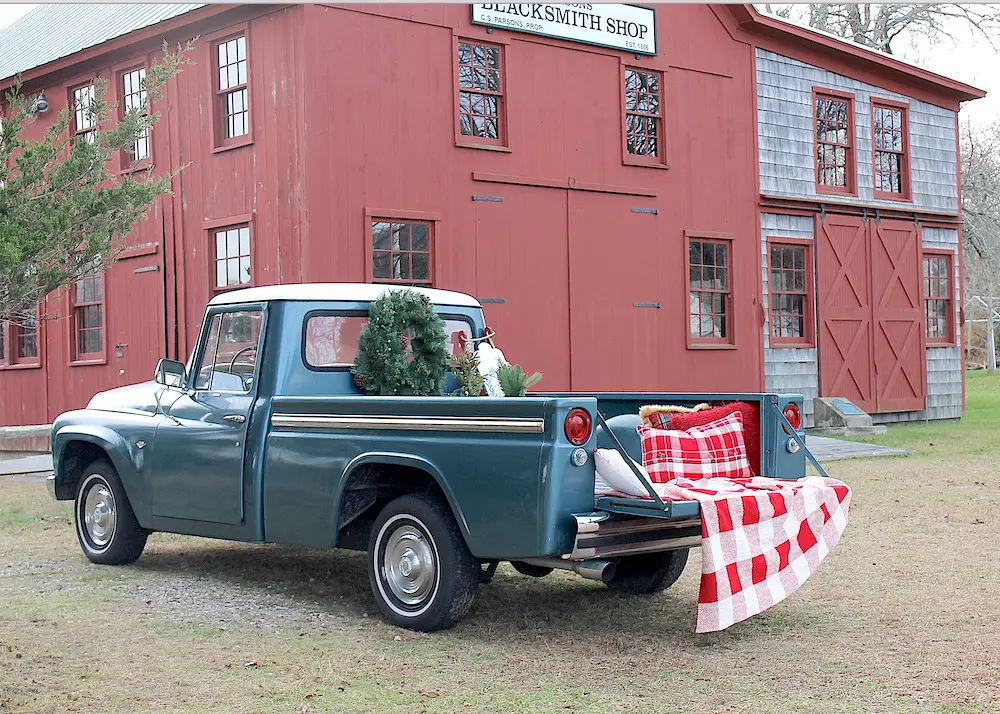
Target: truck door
197, 469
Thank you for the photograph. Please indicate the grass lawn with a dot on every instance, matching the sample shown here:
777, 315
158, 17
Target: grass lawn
902, 617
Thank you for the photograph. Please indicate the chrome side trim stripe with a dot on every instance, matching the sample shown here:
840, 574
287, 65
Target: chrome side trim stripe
512, 425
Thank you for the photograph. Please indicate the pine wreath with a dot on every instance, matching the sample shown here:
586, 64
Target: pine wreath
399, 320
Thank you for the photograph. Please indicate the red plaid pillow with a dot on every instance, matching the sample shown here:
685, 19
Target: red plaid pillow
714, 450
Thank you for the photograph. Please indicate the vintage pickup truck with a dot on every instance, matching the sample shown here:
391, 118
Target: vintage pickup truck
264, 437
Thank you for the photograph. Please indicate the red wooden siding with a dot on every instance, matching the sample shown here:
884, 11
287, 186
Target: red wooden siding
581, 255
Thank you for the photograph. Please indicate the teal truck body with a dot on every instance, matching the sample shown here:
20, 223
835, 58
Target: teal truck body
264, 437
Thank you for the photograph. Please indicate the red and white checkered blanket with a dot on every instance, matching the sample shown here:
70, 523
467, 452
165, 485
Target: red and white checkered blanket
761, 538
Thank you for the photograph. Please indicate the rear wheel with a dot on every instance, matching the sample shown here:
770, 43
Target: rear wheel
420, 569
105, 524
648, 573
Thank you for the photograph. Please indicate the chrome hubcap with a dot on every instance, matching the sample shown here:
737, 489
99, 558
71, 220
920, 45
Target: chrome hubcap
99, 515
410, 568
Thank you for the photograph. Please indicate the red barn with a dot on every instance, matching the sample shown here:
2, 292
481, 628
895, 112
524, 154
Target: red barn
672, 197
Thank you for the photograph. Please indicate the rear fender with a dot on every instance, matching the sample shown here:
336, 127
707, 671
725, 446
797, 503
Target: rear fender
408, 460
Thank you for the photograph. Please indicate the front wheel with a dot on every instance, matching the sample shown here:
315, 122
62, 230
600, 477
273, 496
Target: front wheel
105, 524
421, 571
648, 573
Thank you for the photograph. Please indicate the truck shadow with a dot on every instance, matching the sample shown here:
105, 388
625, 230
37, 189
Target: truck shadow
511, 607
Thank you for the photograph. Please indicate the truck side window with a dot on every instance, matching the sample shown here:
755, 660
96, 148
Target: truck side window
230, 356
332, 340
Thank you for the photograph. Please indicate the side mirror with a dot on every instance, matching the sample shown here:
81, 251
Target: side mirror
170, 373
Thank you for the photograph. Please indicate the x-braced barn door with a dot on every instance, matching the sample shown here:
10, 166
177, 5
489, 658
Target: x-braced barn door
898, 335
871, 340
845, 314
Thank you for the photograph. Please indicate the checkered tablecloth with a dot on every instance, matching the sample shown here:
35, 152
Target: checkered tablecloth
761, 539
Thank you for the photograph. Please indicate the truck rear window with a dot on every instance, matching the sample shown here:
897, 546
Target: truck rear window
331, 340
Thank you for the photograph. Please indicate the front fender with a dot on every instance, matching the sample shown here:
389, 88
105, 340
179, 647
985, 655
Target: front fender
125, 455
396, 459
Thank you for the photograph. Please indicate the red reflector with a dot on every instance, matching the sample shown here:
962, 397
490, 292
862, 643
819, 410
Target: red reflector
578, 426
793, 415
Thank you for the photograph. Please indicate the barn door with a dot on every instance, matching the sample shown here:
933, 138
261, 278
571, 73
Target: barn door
871, 336
897, 320
845, 315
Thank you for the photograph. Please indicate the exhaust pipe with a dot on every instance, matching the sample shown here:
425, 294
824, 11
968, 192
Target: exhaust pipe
603, 570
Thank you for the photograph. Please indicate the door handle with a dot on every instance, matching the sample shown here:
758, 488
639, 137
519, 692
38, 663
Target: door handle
235, 418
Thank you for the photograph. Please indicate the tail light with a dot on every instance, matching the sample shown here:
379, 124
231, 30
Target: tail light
578, 426
793, 415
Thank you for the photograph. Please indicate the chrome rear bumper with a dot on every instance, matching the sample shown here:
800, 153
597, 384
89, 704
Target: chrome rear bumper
601, 535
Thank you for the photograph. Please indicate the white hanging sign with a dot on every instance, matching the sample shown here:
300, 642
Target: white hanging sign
623, 27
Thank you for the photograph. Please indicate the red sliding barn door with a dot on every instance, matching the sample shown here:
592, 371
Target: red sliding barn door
897, 304
845, 315
871, 336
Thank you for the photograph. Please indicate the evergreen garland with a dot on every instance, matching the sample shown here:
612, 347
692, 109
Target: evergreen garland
383, 366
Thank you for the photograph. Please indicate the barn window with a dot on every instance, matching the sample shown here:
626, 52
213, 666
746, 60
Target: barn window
938, 306
401, 251
481, 92
889, 127
133, 88
82, 104
88, 316
233, 257
834, 143
710, 289
232, 92
790, 291
26, 339
643, 114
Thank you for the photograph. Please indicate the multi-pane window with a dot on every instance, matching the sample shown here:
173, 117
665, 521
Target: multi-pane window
232, 98
26, 338
88, 315
938, 307
84, 121
789, 288
643, 113
708, 262
834, 150
401, 252
889, 129
480, 91
134, 97
232, 257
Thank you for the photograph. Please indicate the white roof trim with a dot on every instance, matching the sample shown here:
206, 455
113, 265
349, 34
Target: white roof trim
335, 292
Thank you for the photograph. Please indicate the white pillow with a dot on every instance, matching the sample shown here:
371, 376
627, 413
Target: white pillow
612, 470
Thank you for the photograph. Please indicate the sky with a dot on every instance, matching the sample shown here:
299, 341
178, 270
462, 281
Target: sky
971, 60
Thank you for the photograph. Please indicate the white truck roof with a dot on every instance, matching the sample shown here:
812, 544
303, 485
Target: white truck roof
335, 292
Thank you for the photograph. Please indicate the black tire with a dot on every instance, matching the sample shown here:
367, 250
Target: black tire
530, 569
648, 573
112, 535
430, 578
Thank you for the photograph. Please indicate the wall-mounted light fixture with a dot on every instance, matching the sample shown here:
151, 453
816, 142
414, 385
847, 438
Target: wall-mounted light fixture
40, 104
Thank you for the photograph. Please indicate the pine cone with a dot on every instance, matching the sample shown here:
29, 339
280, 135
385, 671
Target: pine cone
360, 382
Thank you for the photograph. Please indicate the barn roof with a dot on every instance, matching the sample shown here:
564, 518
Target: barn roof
52, 31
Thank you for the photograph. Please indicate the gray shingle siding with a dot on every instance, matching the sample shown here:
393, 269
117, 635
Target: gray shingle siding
787, 152
944, 364
787, 369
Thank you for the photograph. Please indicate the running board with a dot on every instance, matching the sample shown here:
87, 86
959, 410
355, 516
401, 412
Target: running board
600, 535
